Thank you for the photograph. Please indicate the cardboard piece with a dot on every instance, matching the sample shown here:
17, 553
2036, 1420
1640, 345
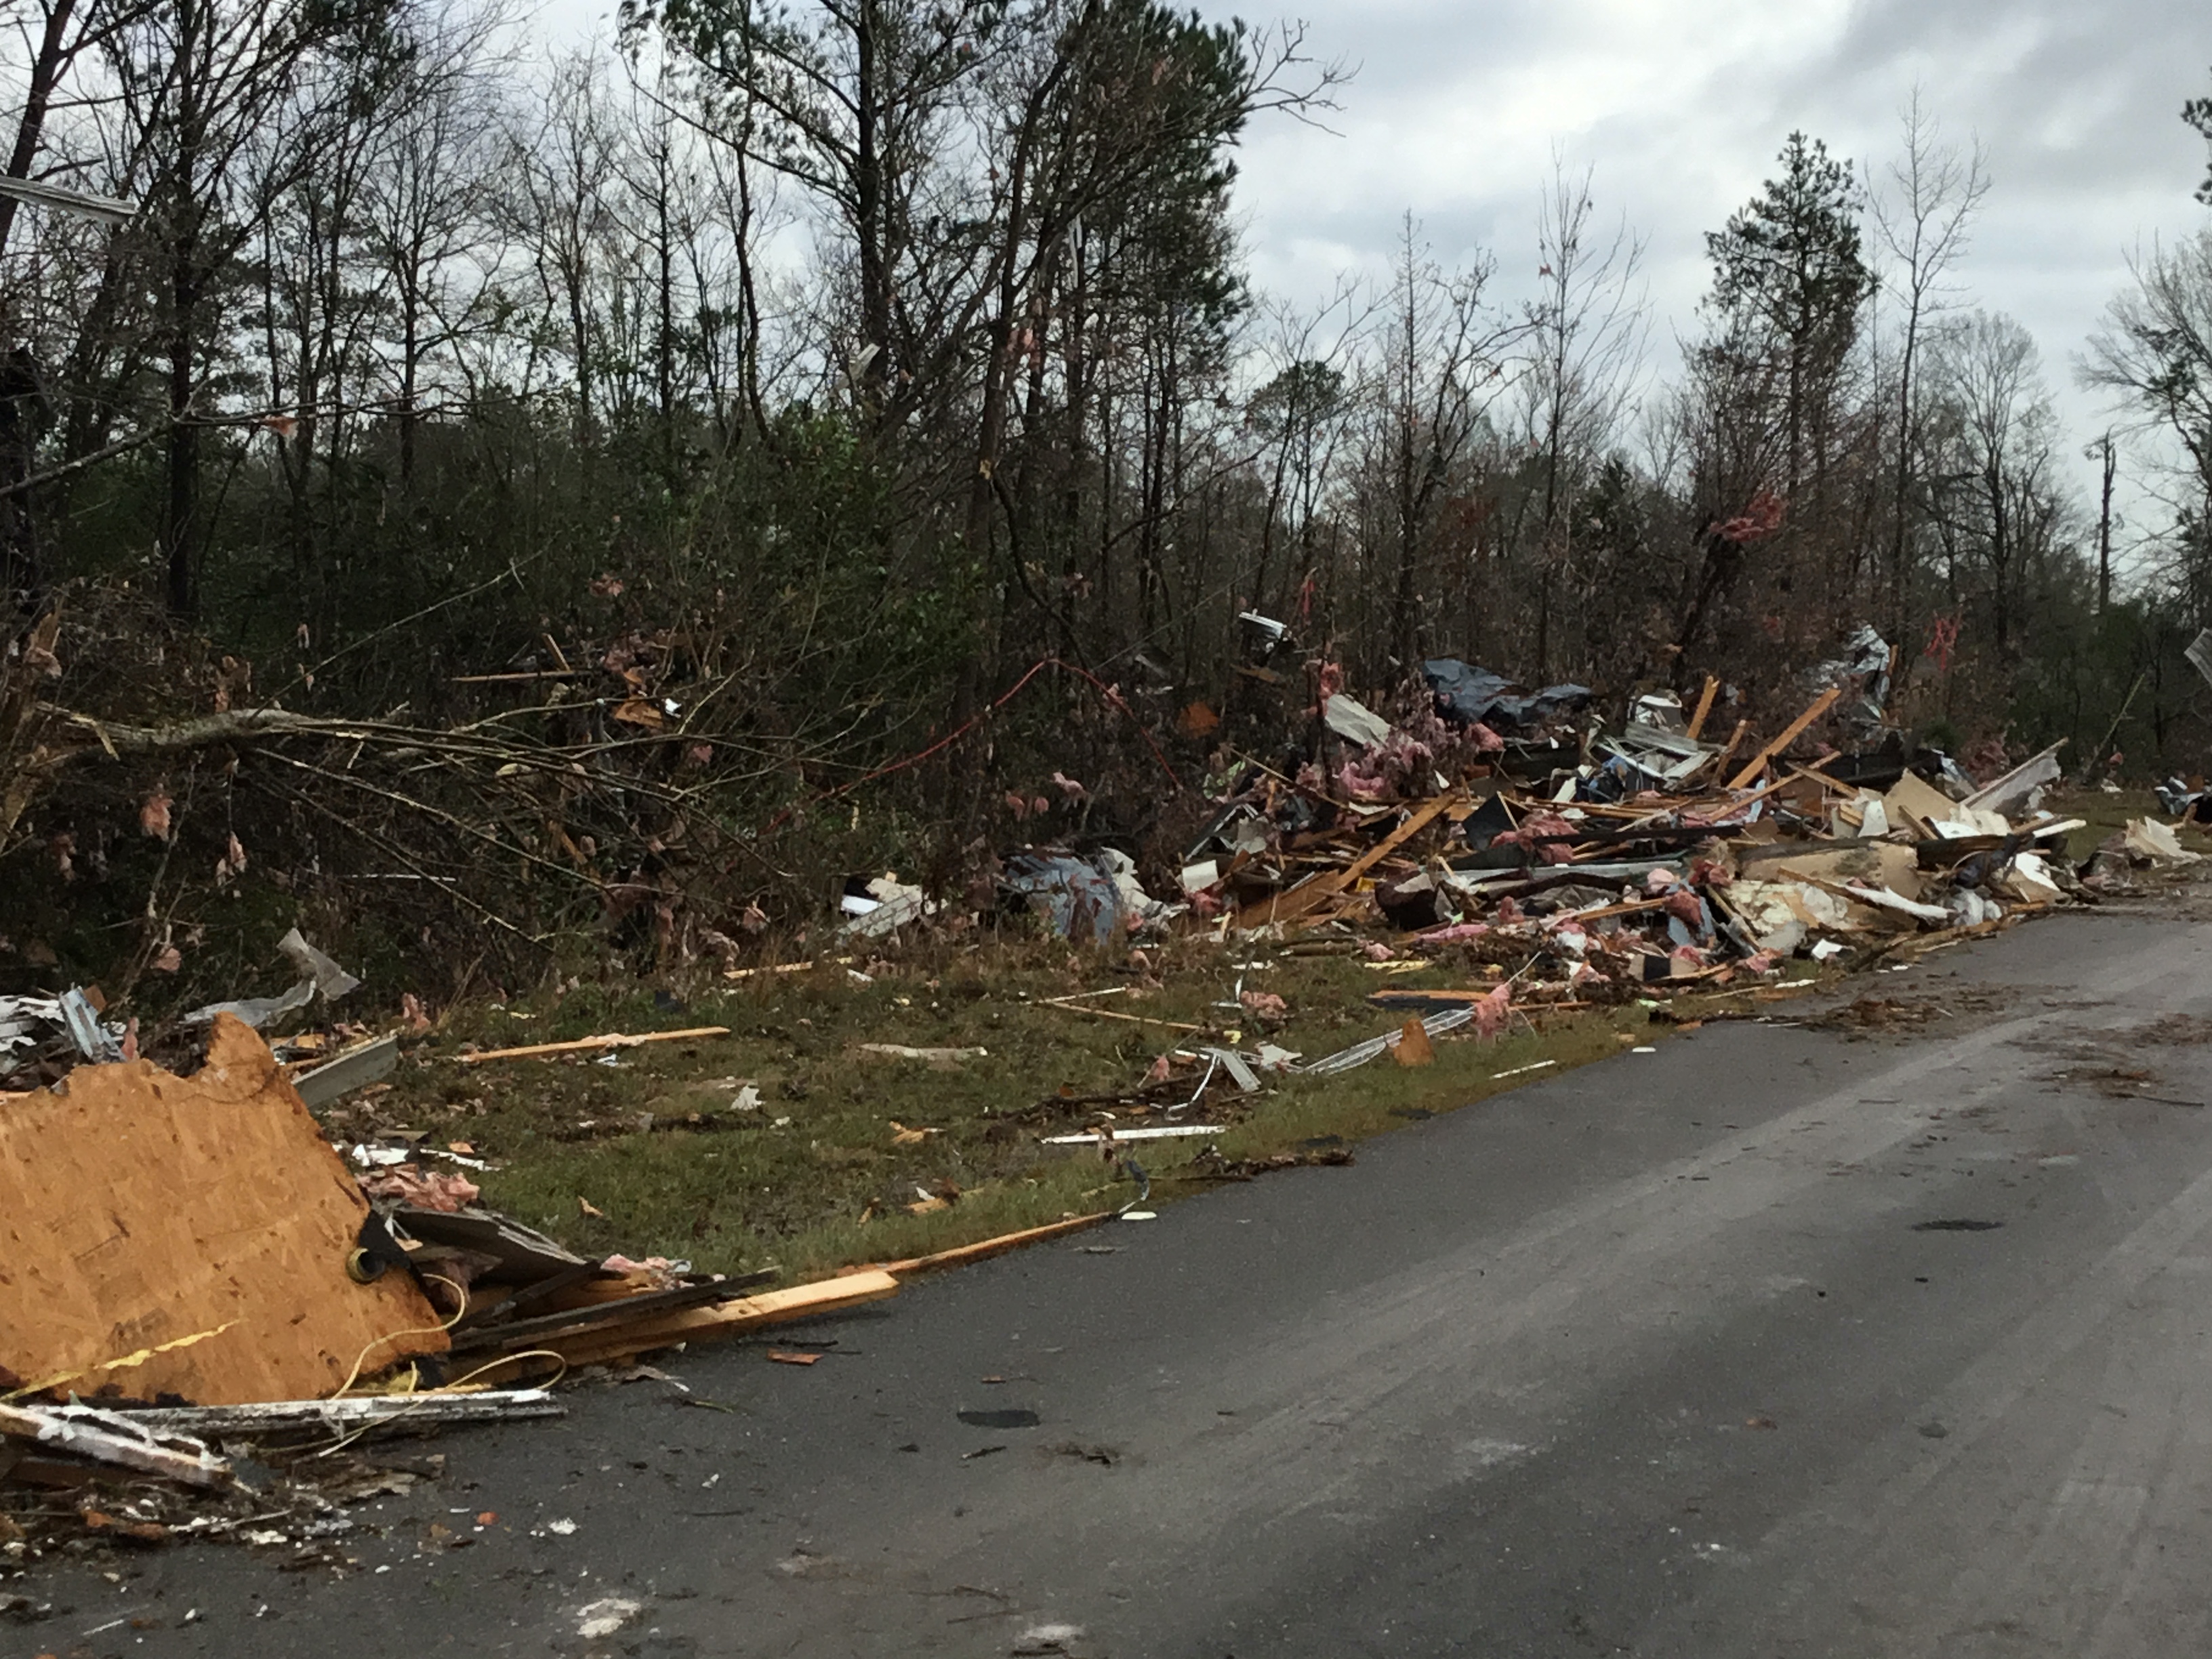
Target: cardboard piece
139, 1209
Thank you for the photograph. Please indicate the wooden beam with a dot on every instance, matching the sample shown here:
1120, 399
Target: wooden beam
1288, 907
356, 1411
731, 1319
1705, 704
81, 1432
1760, 794
987, 1248
1820, 706
1828, 783
528, 1332
1734, 738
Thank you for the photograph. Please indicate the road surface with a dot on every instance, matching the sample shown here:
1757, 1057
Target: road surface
1777, 1342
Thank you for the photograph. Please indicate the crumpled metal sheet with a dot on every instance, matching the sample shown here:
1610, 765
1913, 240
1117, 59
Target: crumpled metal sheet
1474, 695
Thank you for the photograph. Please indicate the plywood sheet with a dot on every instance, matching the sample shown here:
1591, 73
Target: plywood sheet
1886, 864
138, 1208
1916, 805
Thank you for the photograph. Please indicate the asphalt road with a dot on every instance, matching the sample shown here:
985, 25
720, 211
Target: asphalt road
1686, 1354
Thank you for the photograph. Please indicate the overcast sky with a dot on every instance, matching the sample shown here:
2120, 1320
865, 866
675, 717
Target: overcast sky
1680, 107
1456, 107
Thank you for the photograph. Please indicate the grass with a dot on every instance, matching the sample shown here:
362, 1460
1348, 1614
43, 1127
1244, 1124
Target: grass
2106, 815
820, 1177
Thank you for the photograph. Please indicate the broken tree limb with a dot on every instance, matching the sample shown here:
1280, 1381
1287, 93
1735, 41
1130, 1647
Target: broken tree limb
87, 1435
511, 679
1820, 705
581, 1045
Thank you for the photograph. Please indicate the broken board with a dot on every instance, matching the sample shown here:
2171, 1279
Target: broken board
141, 1211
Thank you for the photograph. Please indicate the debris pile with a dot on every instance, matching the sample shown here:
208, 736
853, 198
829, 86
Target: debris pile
195, 1270
192, 1268
1601, 865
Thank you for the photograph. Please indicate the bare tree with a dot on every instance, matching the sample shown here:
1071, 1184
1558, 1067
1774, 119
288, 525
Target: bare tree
1442, 356
1585, 335
1999, 499
2153, 350
198, 80
1923, 219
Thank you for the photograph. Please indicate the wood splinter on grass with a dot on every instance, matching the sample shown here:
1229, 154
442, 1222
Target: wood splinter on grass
612, 1039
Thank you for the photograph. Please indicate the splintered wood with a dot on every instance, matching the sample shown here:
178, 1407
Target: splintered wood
584, 1045
649, 1331
194, 1230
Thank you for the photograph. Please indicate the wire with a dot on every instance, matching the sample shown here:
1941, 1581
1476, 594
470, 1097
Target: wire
508, 1360
460, 1295
444, 1390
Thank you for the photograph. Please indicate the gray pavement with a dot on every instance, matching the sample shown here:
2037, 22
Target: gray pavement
1777, 1342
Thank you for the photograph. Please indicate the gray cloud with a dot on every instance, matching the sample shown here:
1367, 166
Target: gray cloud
1682, 106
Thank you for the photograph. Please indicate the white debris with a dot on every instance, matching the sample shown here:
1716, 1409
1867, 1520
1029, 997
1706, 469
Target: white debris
605, 1617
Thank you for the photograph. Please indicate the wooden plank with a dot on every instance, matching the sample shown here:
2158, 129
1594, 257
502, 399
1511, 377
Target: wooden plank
1705, 705
1734, 738
528, 1332
613, 1040
1845, 790
1133, 1020
432, 1405
1791, 734
1398, 837
1879, 898
731, 1319
985, 1248
1289, 907
343, 1074
1599, 913
83, 1432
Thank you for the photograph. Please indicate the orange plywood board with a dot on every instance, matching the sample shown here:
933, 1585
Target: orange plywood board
138, 1208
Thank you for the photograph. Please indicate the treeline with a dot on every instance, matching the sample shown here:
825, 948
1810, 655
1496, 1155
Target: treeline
719, 416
